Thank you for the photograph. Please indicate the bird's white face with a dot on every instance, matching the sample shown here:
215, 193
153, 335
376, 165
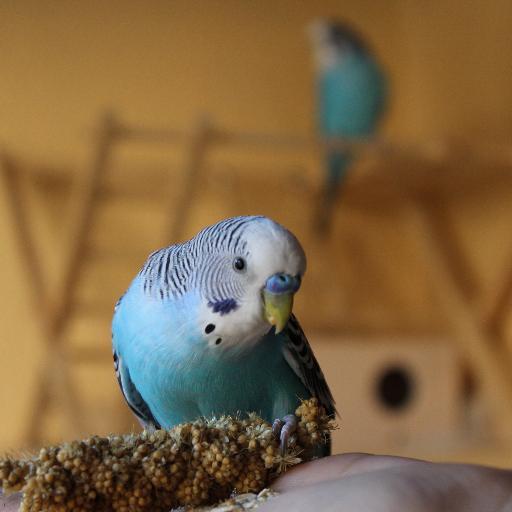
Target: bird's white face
272, 258
325, 53
318, 32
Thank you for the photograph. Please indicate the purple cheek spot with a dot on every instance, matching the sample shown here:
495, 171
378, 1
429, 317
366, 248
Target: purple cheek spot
224, 306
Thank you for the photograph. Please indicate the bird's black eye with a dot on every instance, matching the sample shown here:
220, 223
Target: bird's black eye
239, 264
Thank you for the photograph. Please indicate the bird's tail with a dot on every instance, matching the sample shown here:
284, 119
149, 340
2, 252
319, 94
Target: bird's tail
337, 164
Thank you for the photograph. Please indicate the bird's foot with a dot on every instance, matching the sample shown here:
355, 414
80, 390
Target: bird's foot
283, 429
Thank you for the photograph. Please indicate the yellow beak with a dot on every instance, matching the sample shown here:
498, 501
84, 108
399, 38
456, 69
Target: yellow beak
277, 308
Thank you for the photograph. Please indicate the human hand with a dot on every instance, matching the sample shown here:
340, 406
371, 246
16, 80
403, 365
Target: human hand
358, 482
10, 503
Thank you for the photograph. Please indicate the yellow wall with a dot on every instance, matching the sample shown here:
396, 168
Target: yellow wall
248, 63
162, 62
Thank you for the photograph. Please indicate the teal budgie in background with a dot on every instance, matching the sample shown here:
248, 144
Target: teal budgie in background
206, 328
351, 94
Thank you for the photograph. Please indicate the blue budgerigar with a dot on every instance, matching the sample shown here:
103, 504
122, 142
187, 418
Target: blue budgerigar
206, 328
351, 95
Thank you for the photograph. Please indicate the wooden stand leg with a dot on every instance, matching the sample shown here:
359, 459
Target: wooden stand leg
196, 156
54, 306
494, 377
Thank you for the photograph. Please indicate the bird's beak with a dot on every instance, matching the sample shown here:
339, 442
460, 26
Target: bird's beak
278, 299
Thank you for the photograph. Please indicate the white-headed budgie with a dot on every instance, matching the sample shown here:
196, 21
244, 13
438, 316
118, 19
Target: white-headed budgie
206, 328
351, 94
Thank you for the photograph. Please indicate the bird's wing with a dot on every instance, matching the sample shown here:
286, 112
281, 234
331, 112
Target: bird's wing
133, 398
300, 357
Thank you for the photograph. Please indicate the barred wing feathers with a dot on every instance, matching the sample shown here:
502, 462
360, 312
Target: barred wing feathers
300, 357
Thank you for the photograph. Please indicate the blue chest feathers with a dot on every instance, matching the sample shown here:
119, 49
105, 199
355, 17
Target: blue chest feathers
207, 384
181, 377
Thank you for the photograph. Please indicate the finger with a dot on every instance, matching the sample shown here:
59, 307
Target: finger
335, 467
10, 503
369, 492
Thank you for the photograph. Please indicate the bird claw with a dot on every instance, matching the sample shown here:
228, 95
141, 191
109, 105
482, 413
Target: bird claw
283, 428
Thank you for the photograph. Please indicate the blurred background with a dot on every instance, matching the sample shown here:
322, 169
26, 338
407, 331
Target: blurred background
126, 126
